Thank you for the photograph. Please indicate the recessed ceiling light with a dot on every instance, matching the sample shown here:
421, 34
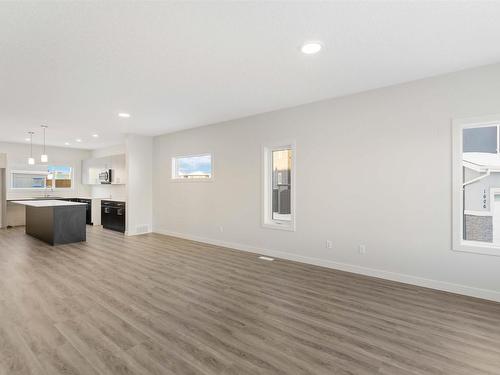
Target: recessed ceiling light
27, 139
67, 143
78, 140
95, 135
310, 48
124, 115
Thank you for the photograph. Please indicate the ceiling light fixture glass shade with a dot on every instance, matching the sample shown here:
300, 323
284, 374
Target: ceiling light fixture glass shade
31, 159
124, 115
44, 158
310, 48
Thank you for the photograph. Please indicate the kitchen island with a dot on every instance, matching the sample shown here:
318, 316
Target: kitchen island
55, 222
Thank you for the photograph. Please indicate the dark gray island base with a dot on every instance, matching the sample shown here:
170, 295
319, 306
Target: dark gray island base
56, 222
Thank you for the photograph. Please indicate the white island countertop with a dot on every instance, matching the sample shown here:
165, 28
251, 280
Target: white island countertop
48, 203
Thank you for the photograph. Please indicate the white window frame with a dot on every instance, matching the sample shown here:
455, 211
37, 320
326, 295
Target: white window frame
267, 200
174, 178
458, 243
12, 172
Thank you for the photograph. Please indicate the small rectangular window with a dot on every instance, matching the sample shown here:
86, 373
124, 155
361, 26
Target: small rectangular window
194, 167
55, 177
279, 186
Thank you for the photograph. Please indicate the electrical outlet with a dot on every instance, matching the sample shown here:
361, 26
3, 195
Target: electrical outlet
221, 228
362, 249
329, 244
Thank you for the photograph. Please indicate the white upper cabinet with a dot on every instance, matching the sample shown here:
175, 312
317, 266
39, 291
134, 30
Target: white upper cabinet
119, 174
92, 167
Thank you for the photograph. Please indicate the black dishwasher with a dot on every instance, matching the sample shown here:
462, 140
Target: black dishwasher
113, 215
88, 202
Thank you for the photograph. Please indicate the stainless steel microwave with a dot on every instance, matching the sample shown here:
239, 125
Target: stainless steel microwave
105, 176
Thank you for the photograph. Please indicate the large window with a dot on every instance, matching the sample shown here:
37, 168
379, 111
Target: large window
476, 185
279, 186
193, 167
28, 180
55, 177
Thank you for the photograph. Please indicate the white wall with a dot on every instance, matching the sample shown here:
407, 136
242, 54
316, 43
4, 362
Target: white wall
117, 192
139, 184
17, 159
3, 165
372, 168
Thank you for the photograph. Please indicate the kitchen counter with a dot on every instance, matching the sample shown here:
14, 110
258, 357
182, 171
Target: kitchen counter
63, 198
55, 221
34, 199
47, 203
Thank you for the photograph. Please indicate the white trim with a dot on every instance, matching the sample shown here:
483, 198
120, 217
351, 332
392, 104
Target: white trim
173, 168
478, 247
458, 244
445, 286
266, 200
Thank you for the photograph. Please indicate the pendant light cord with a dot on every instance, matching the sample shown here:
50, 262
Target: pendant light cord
31, 144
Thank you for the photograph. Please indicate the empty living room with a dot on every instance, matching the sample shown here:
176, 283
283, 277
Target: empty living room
250, 187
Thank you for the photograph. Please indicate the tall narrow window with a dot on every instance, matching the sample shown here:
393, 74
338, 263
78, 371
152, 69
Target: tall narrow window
476, 186
279, 186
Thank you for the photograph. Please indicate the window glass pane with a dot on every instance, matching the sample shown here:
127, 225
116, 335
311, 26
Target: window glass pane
480, 139
481, 216
193, 167
60, 175
281, 184
28, 181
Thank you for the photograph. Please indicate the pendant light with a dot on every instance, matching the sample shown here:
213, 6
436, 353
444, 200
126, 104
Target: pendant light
31, 159
44, 158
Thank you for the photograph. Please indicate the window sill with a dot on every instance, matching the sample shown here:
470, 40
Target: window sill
476, 247
287, 227
192, 180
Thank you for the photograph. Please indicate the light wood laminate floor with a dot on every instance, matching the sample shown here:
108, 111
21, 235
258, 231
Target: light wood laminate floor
154, 304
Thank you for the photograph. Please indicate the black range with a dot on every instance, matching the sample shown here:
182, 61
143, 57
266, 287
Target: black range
113, 215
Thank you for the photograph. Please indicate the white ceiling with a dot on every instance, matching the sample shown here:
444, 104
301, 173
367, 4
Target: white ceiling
176, 65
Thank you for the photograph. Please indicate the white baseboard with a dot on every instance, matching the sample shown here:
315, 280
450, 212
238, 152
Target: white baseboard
487, 294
